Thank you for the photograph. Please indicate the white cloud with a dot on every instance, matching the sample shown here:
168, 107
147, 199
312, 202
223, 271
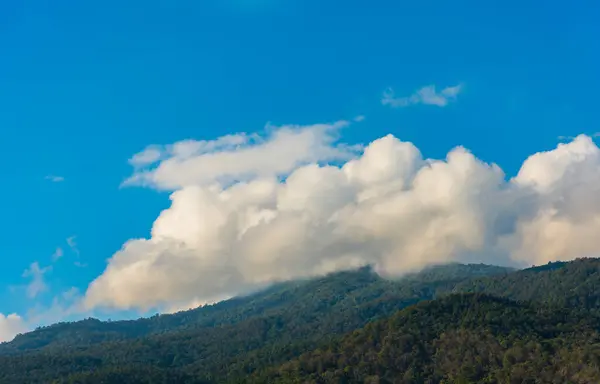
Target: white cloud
57, 254
65, 306
72, 243
237, 157
10, 326
37, 284
595, 135
389, 207
148, 156
54, 178
426, 95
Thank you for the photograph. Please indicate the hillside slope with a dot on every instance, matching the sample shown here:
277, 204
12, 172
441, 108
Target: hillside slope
233, 337
236, 339
464, 338
332, 293
574, 284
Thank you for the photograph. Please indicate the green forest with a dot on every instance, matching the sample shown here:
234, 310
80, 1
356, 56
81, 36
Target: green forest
447, 324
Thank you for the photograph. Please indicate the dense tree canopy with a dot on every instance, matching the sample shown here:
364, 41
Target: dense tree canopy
463, 338
447, 324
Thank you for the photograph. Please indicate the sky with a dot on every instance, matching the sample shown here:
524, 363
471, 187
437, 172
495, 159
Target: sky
160, 155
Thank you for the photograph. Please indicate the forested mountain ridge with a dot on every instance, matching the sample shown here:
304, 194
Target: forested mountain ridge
325, 293
462, 338
574, 284
255, 336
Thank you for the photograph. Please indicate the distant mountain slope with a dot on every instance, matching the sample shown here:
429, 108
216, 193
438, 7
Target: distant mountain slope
235, 335
315, 296
235, 339
466, 338
573, 284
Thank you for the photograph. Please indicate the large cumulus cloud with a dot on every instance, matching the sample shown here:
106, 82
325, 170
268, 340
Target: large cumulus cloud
246, 213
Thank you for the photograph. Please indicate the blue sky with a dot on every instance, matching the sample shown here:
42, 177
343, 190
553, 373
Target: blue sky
84, 86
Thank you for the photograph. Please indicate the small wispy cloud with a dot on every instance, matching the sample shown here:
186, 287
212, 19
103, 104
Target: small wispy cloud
148, 156
70, 294
57, 254
427, 95
55, 178
37, 284
73, 244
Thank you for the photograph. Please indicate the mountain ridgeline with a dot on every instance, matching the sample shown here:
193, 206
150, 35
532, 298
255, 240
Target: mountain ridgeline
332, 293
447, 324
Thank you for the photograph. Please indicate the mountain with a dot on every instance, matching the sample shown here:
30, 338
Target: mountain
462, 338
332, 293
575, 284
277, 324
262, 336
